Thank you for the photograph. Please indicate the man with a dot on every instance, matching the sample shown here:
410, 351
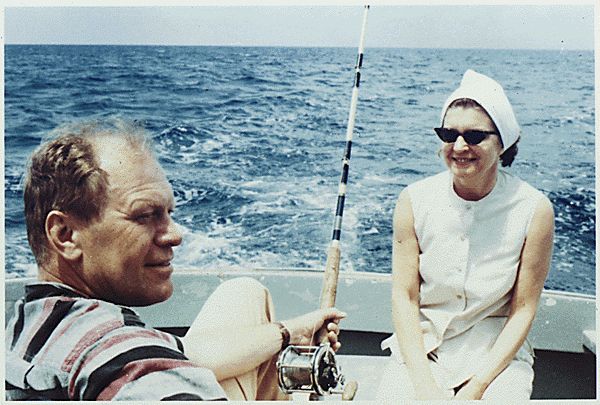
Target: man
98, 208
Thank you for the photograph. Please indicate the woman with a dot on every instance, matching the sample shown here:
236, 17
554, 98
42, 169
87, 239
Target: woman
471, 252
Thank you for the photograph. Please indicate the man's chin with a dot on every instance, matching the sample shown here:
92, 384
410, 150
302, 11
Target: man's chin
155, 296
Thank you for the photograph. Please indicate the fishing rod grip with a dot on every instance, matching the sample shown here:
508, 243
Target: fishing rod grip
330, 279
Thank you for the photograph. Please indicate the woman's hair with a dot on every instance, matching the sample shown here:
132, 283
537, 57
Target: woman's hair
64, 174
508, 156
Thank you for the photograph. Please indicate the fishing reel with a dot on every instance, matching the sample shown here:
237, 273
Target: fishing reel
310, 369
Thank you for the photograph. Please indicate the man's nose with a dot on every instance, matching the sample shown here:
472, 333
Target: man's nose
171, 235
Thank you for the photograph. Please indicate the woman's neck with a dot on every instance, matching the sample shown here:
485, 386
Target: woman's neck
475, 189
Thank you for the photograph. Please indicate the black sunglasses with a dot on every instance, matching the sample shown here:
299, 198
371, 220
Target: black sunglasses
472, 136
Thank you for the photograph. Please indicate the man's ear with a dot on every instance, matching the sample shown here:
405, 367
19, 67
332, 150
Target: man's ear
63, 236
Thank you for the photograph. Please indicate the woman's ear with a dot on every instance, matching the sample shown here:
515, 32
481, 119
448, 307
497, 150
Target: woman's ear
62, 235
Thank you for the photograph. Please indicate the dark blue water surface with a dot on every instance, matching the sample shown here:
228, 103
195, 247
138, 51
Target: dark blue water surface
252, 140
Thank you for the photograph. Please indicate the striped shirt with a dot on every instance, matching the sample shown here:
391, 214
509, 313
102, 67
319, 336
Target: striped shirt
61, 345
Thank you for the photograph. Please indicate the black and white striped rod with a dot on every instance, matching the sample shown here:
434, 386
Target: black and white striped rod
333, 258
337, 226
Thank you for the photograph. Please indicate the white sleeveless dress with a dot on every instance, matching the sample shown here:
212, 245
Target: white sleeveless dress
470, 253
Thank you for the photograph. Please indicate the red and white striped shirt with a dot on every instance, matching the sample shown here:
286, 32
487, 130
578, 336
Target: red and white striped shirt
63, 346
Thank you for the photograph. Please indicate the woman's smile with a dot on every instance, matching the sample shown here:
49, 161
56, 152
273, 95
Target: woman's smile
464, 160
474, 166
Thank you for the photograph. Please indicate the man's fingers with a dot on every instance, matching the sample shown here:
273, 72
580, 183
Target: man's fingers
333, 313
333, 327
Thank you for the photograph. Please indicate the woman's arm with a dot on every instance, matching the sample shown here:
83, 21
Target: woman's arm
533, 269
405, 301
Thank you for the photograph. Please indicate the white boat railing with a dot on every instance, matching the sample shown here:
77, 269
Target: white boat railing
565, 321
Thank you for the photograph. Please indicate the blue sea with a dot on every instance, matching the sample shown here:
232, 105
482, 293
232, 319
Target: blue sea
252, 141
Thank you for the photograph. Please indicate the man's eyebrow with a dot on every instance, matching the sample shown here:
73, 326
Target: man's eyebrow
143, 202
168, 203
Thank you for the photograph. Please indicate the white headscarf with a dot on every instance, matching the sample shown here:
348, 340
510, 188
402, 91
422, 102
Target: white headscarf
490, 95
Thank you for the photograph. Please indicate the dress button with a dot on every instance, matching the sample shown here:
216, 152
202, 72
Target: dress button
468, 207
459, 297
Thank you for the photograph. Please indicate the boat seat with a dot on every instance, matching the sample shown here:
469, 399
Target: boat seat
589, 340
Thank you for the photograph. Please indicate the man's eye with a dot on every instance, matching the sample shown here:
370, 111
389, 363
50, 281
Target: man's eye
157, 214
145, 216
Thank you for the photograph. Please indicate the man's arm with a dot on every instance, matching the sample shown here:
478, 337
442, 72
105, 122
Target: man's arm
234, 352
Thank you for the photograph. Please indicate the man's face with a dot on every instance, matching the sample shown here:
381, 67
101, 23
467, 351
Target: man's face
127, 252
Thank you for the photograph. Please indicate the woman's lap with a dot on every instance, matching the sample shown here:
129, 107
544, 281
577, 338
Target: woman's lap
514, 383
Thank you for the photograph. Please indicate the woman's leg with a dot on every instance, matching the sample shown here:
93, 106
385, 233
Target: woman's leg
515, 383
396, 384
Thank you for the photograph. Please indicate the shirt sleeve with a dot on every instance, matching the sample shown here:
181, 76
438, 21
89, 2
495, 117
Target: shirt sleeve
134, 363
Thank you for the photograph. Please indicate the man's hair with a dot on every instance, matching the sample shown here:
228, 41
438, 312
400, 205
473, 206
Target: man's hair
508, 156
64, 174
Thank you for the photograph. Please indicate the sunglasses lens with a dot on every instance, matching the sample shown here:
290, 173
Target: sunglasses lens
472, 137
447, 135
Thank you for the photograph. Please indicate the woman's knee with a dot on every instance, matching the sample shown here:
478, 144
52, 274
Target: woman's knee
514, 383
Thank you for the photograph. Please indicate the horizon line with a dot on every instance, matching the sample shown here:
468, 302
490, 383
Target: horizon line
305, 46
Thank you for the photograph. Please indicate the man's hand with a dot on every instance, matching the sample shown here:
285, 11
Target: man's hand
305, 328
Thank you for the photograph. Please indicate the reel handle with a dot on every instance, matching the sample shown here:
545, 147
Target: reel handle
349, 391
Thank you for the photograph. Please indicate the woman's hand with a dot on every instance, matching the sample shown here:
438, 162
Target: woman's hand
304, 329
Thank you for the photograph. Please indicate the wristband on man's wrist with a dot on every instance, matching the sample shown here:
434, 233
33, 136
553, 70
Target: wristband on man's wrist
285, 335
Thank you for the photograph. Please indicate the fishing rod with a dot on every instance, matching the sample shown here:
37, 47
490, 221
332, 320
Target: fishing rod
333, 257
314, 369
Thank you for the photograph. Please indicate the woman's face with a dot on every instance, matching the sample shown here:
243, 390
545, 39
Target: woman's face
472, 164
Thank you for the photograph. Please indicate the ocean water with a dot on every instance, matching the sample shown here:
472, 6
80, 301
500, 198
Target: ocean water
252, 141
